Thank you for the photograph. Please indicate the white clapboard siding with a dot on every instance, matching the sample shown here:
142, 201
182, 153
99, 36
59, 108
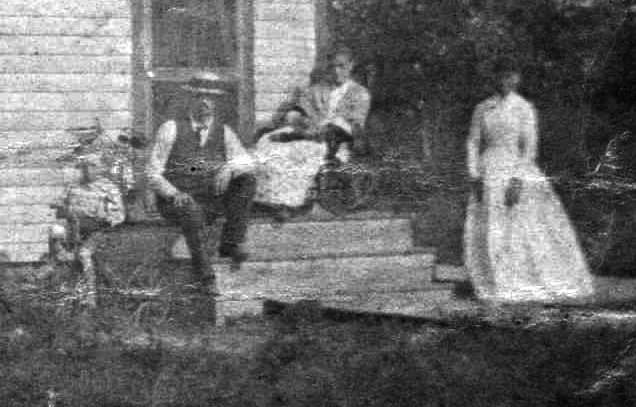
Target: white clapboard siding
64, 45
59, 120
23, 252
270, 101
103, 26
283, 11
32, 176
24, 158
285, 47
30, 195
279, 83
65, 64
76, 101
65, 83
25, 233
27, 214
273, 65
46, 139
66, 8
277, 48
284, 30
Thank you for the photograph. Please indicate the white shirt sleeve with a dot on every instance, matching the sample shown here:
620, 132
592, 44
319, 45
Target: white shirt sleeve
166, 136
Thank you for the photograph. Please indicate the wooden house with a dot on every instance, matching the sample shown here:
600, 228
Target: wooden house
65, 63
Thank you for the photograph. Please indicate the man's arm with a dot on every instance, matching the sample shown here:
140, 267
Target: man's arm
166, 136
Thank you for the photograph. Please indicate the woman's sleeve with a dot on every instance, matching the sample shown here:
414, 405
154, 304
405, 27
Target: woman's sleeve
528, 144
474, 139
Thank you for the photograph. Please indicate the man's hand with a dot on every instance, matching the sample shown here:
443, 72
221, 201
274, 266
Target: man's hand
182, 199
232, 168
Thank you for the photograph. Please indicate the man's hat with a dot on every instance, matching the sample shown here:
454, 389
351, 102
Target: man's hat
207, 83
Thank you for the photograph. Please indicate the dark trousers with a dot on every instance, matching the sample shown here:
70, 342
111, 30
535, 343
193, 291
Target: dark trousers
235, 204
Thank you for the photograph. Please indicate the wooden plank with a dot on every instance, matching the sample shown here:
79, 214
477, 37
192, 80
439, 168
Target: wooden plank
23, 252
297, 240
285, 30
27, 214
66, 64
34, 102
279, 48
65, 83
30, 195
21, 233
66, 8
11, 121
272, 83
283, 11
311, 279
29, 158
64, 45
48, 139
23, 177
104, 26
270, 101
298, 64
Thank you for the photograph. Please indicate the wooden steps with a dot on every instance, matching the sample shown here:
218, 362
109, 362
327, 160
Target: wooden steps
357, 260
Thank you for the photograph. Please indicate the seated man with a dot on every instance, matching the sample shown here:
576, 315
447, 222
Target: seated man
199, 170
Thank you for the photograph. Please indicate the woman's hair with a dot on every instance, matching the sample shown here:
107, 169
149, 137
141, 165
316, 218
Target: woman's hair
505, 64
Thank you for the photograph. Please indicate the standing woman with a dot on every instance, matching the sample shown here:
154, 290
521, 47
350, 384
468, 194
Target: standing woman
519, 243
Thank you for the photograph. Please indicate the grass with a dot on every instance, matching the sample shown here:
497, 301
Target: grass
299, 358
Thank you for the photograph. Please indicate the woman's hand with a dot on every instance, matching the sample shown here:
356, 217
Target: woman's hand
513, 192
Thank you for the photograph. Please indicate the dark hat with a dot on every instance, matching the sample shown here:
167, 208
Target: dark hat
207, 83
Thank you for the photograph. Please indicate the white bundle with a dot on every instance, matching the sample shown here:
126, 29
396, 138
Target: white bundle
100, 200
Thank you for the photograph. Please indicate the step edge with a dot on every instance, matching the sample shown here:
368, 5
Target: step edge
334, 256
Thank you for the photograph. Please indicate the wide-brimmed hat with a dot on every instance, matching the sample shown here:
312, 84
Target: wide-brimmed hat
206, 83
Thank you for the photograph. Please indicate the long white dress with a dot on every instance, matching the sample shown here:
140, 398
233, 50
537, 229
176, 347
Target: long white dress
529, 252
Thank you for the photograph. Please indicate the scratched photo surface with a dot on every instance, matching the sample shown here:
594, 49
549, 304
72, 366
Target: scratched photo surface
317, 203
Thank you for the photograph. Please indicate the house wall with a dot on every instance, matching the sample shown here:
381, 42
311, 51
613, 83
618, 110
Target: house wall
64, 63
284, 51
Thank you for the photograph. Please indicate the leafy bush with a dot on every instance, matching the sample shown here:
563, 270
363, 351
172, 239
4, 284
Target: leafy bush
436, 56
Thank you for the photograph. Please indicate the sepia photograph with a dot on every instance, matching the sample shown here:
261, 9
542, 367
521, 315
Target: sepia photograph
321, 203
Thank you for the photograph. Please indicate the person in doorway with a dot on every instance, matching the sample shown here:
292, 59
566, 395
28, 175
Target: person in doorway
200, 170
520, 245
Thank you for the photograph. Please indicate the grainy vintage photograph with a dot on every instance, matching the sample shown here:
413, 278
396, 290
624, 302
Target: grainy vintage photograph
317, 203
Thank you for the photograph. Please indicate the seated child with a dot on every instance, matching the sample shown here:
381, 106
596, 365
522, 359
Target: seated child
94, 204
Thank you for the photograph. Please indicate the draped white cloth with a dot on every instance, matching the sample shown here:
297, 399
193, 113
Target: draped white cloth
286, 171
529, 252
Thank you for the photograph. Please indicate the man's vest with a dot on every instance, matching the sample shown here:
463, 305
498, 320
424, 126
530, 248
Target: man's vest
190, 167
